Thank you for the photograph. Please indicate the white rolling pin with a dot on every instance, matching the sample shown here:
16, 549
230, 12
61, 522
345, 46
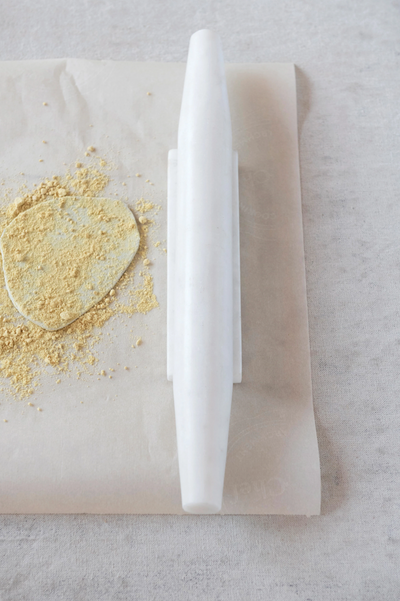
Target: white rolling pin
204, 328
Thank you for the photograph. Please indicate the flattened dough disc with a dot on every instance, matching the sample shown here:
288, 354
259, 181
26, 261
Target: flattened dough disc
63, 255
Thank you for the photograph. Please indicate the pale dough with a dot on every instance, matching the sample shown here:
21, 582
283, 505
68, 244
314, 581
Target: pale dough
63, 255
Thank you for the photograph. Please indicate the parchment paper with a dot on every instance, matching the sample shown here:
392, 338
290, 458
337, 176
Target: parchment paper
116, 452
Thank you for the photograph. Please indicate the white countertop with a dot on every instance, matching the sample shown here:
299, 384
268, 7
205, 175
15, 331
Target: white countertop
348, 86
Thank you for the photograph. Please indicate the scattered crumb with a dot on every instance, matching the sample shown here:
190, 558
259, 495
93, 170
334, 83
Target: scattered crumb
146, 262
44, 103
5, 420
65, 315
138, 175
126, 367
44, 142
138, 342
39, 409
91, 149
148, 93
144, 206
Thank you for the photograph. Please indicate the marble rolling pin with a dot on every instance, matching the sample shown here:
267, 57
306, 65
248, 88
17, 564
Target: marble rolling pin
204, 326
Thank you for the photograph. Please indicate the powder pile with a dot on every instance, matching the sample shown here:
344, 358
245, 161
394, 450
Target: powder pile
27, 351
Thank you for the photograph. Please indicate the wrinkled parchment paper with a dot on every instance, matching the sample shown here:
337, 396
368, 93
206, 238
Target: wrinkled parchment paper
116, 452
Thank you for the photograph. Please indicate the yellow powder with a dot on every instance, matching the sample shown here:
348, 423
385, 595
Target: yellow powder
143, 206
28, 352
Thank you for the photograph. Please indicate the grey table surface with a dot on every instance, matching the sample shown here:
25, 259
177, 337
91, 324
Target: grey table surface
348, 56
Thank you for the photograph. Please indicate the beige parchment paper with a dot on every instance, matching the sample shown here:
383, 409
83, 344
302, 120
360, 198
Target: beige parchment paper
116, 452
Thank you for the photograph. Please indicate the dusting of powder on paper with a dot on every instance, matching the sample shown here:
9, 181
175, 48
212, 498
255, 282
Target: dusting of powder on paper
28, 351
